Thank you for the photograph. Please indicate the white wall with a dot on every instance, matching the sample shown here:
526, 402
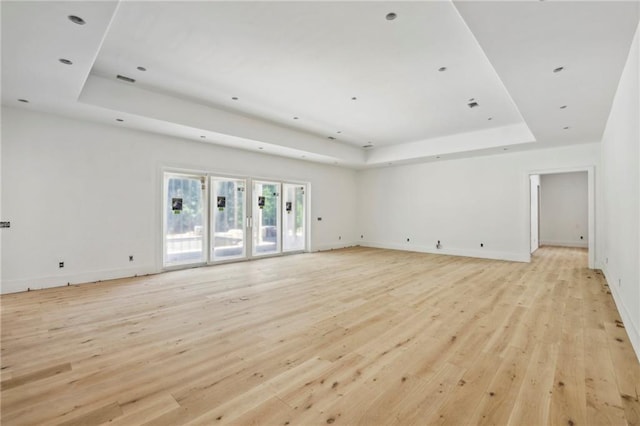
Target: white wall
1, 216
620, 209
462, 203
89, 195
564, 218
534, 191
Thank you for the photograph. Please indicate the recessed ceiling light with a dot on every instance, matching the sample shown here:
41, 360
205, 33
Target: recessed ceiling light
235, 98
563, 107
141, 68
65, 61
566, 128
558, 69
76, 19
23, 100
391, 16
119, 119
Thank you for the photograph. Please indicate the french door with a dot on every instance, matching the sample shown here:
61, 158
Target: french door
266, 218
293, 217
228, 219
184, 223
210, 219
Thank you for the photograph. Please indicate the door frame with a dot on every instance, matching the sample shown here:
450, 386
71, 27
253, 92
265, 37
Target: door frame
591, 204
247, 212
306, 217
163, 220
536, 199
254, 212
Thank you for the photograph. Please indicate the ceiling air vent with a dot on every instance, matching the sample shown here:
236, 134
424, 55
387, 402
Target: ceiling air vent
125, 78
473, 104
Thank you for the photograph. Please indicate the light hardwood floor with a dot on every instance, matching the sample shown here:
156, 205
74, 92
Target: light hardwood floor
354, 336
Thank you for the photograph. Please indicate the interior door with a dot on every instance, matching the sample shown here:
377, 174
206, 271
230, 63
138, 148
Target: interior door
266, 218
185, 219
293, 217
228, 219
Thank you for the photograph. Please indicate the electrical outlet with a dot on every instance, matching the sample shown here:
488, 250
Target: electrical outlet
319, 219
130, 258
581, 237
60, 264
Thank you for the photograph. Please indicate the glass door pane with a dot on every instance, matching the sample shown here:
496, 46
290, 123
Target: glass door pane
184, 224
266, 218
228, 198
293, 217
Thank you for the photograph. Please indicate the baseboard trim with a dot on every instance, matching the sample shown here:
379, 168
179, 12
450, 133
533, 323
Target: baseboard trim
630, 327
578, 244
39, 283
16, 286
325, 247
481, 254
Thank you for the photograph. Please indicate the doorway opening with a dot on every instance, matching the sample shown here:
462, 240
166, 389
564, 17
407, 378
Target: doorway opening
562, 209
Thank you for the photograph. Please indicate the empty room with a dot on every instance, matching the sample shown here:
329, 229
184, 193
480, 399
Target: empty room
320, 212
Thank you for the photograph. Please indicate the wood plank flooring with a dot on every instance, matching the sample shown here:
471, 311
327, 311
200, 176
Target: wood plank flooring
354, 336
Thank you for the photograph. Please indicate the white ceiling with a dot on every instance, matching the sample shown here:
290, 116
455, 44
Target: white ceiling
310, 59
